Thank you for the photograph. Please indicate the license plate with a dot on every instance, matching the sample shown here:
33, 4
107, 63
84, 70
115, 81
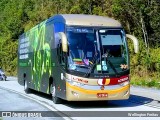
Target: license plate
102, 95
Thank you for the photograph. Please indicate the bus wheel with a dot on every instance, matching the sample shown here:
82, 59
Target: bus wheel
26, 89
55, 99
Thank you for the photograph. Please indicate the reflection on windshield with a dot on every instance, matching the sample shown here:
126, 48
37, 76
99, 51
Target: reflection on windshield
112, 43
81, 46
87, 55
113, 50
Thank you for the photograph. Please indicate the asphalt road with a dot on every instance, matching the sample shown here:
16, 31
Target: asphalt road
15, 102
13, 97
10, 101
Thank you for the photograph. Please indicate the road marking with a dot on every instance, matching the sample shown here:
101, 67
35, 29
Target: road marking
40, 102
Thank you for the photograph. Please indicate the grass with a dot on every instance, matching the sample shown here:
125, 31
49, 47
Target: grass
147, 81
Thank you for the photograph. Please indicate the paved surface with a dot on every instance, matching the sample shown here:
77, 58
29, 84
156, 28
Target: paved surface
15, 102
151, 93
10, 101
137, 102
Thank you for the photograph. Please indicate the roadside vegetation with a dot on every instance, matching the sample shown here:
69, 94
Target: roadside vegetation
139, 17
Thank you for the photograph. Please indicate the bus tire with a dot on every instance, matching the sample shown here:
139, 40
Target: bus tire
55, 99
26, 89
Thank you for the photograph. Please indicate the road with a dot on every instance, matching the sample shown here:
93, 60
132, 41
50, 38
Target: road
14, 98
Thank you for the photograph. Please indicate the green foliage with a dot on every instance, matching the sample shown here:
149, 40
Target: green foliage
138, 17
145, 81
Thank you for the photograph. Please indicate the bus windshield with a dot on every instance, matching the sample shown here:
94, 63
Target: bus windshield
114, 52
96, 51
81, 47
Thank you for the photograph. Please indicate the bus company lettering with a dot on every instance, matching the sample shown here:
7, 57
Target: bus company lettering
23, 48
123, 79
79, 80
23, 40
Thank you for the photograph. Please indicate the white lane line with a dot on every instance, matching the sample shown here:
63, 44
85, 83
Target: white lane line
41, 103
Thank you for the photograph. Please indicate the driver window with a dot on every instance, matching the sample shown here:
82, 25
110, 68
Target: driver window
75, 45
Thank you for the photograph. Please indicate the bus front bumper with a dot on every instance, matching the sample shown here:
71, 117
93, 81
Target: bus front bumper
74, 93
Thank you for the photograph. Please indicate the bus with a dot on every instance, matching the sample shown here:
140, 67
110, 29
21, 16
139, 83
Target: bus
76, 57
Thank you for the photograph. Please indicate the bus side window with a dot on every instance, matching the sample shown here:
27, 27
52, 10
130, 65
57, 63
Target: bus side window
60, 54
59, 27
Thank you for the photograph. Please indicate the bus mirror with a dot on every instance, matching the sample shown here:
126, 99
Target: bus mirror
64, 41
135, 42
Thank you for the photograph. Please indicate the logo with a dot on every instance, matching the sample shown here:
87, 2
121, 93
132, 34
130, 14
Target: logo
102, 87
6, 114
124, 66
80, 80
103, 81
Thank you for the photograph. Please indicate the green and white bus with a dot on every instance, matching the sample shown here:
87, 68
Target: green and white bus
76, 58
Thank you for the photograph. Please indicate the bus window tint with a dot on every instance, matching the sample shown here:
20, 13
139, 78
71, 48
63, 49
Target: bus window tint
112, 43
81, 44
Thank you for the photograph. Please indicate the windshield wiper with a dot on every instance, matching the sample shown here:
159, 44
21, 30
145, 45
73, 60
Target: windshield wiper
107, 60
114, 69
91, 68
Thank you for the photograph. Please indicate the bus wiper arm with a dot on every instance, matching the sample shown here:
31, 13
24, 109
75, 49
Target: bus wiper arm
117, 74
106, 57
90, 70
92, 66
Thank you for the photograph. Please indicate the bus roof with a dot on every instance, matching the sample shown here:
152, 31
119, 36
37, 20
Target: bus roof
87, 20
81, 20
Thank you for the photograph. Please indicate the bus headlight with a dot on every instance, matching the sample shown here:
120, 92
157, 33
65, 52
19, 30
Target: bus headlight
75, 83
124, 83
